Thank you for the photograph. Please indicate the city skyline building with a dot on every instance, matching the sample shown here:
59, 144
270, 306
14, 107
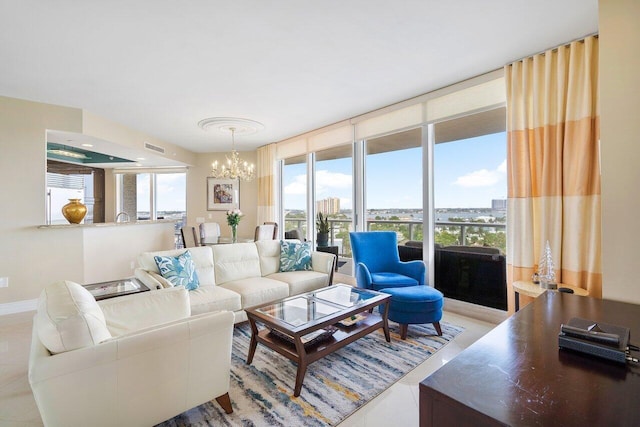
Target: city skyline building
499, 204
328, 206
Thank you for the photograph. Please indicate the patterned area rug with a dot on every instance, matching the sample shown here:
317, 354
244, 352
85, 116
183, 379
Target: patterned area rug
334, 387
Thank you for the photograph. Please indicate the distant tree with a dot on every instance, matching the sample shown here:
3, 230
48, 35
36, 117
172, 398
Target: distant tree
446, 238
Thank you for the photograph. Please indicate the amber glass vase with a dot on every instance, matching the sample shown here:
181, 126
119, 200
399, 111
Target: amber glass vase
74, 211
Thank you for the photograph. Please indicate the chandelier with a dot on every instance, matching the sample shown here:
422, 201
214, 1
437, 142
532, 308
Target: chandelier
235, 167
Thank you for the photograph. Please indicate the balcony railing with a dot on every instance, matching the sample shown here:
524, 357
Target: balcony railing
455, 269
463, 233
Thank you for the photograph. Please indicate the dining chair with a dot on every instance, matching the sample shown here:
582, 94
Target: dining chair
189, 237
267, 231
209, 231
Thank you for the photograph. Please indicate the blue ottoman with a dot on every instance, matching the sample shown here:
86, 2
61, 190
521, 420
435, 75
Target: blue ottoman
414, 305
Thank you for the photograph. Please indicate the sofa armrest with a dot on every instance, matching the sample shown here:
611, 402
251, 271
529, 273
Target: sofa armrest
322, 262
151, 280
413, 269
363, 276
130, 313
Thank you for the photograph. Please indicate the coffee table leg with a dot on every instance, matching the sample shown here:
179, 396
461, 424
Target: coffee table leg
302, 367
302, 370
385, 321
254, 340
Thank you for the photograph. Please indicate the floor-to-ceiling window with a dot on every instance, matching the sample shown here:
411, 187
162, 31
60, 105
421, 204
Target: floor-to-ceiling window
334, 193
409, 163
294, 194
469, 194
393, 177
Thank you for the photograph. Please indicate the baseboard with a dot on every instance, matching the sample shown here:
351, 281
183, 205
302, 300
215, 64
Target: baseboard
18, 306
486, 314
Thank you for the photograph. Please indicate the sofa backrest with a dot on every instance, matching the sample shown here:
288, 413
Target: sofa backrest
132, 313
269, 252
202, 257
236, 261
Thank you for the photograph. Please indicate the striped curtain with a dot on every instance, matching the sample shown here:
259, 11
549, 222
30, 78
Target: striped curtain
265, 172
554, 166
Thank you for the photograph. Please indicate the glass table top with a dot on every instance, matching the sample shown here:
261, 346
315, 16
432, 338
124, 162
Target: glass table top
312, 306
343, 295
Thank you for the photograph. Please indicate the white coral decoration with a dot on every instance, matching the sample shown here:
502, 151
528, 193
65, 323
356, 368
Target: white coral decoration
546, 267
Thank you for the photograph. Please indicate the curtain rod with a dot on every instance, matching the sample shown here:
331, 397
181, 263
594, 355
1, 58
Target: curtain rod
555, 49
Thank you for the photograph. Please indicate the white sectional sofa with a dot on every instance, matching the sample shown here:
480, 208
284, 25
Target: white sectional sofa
135, 360
240, 275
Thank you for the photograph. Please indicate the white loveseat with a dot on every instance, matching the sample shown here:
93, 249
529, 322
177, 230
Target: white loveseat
240, 275
135, 360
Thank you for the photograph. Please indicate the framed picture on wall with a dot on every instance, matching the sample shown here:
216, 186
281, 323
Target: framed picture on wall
223, 194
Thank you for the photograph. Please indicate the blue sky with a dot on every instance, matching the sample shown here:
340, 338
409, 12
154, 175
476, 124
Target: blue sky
468, 174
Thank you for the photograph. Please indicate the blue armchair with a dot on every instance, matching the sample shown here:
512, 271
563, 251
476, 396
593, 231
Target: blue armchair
378, 265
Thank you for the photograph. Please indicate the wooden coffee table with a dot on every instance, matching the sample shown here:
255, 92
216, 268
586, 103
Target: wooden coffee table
295, 320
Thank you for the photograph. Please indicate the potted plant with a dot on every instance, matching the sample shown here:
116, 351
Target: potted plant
322, 226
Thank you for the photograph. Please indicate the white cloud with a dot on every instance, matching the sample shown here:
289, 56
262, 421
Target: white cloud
327, 182
483, 177
298, 186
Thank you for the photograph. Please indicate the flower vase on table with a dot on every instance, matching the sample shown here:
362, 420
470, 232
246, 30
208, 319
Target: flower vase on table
233, 219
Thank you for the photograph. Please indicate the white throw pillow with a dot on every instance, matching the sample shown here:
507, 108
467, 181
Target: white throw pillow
69, 318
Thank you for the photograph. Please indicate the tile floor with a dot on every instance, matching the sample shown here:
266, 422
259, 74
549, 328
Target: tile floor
398, 405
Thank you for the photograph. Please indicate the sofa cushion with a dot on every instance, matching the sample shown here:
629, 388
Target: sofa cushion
180, 270
236, 261
302, 281
69, 318
258, 290
295, 256
269, 252
210, 298
132, 313
201, 255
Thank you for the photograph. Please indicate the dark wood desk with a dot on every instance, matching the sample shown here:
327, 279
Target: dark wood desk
516, 375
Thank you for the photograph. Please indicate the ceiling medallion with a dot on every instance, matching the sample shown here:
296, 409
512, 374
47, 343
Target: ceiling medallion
235, 168
225, 124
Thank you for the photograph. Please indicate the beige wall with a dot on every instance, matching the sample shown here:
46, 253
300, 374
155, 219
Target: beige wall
33, 257
620, 146
29, 257
197, 196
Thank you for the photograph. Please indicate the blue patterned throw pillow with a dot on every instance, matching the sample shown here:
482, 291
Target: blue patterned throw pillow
180, 270
295, 256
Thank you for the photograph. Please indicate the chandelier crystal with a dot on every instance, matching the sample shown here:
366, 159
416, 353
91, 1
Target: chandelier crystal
236, 168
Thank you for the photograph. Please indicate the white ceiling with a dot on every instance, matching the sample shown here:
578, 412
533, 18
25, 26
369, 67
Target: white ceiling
160, 66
